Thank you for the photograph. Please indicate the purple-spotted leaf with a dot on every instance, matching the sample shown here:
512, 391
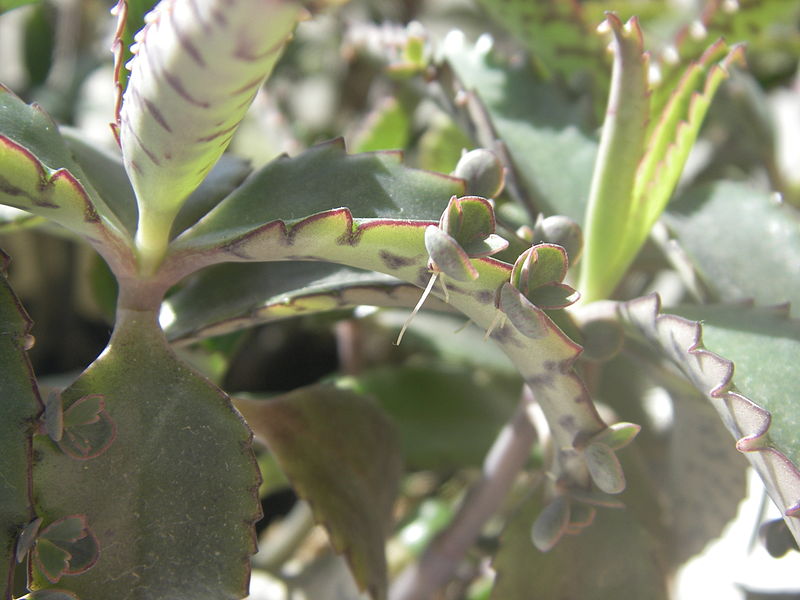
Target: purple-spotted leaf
174, 122
529, 319
341, 454
20, 408
447, 256
281, 214
551, 524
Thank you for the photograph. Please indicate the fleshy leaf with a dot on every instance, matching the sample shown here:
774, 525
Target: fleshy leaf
448, 256
181, 452
773, 455
52, 560
551, 524
21, 406
38, 174
229, 297
622, 145
604, 468
88, 429
341, 455
525, 316
396, 247
70, 539
173, 124
371, 185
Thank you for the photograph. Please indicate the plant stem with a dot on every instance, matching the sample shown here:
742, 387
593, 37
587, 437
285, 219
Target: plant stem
152, 239
503, 463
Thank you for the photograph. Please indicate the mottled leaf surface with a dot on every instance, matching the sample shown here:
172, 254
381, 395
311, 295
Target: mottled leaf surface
396, 246
741, 241
19, 407
341, 454
172, 500
615, 557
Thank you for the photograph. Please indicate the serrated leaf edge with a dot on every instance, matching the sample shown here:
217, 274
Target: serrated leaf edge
781, 477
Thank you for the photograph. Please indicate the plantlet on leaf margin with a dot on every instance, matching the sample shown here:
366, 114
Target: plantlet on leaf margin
535, 286
465, 230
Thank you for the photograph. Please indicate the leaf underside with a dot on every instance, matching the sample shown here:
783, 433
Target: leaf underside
342, 455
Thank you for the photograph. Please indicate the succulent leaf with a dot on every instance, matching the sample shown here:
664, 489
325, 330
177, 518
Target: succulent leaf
551, 524
196, 69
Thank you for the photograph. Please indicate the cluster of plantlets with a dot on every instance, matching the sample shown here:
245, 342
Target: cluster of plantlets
139, 478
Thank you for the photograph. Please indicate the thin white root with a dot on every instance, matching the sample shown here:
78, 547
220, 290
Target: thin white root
422, 299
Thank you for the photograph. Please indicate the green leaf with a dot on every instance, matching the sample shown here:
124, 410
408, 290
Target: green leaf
386, 128
39, 175
7, 5
611, 200
742, 242
774, 454
370, 185
397, 247
341, 454
174, 123
179, 482
229, 297
555, 32
482, 401
613, 558
107, 175
130, 19
544, 132
674, 134
20, 407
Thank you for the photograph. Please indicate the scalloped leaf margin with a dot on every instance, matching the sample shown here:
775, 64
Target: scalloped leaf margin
682, 341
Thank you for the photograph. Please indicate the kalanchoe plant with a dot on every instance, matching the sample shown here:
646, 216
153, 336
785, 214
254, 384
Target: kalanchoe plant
139, 479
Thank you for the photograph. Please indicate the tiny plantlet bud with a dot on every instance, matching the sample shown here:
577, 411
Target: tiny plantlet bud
551, 524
